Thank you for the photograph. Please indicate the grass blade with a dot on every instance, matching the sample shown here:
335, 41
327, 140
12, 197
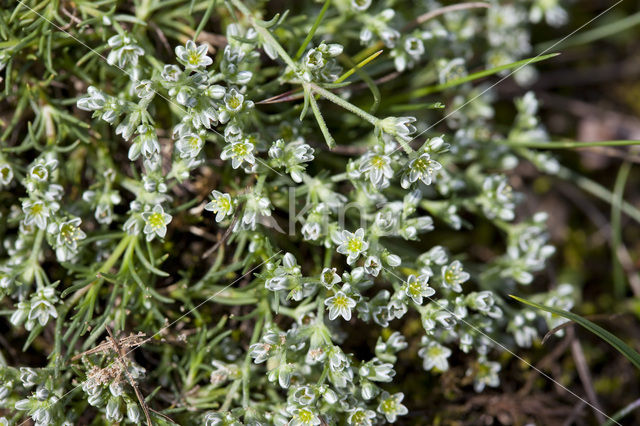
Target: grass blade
608, 337
360, 64
315, 26
570, 144
619, 283
205, 19
480, 74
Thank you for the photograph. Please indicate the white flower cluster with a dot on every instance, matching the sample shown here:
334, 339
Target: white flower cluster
366, 247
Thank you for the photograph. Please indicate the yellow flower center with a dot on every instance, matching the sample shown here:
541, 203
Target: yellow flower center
354, 245
156, 220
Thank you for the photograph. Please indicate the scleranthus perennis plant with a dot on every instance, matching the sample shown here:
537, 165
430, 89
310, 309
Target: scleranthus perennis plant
220, 181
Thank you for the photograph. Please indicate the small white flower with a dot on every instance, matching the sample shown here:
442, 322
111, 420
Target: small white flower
67, 236
351, 244
156, 222
453, 275
42, 306
400, 127
435, 356
391, 407
423, 168
239, 152
377, 167
221, 205
256, 207
234, 100
6, 174
36, 212
304, 417
124, 52
417, 288
372, 265
329, 277
486, 374
193, 57
340, 304
361, 417
189, 145
360, 5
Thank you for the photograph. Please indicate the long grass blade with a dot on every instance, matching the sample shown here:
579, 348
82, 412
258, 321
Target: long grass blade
570, 144
608, 337
477, 75
315, 26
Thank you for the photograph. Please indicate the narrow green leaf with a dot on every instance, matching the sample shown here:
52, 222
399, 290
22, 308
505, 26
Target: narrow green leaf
315, 26
205, 18
598, 33
619, 283
321, 123
608, 337
360, 64
570, 144
480, 74
414, 107
373, 87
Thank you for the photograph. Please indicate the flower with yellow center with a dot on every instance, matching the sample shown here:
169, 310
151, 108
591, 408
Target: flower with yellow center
304, 417
417, 288
391, 407
221, 205
340, 305
351, 244
156, 222
239, 152
193, 57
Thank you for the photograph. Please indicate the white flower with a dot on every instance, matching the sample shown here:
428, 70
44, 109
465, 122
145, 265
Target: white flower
377, 167
42, 306
417, 288
147, 140
67, 236
6, 174
372, 265
37, 212
311, 231
221, 205
156, 222
422, 168
256, 206
239, 152
329, 277
234, 100
124, 52
400, 127
351, 244
486, 374
189, 145
360, 5
340, 304
304, 417
453, 275
435, 356
391, 407
193, 57
361, 416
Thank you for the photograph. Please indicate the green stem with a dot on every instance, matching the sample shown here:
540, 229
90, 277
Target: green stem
344, 104
257, 330
320, 119
32, 263
568, 144
265, 34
